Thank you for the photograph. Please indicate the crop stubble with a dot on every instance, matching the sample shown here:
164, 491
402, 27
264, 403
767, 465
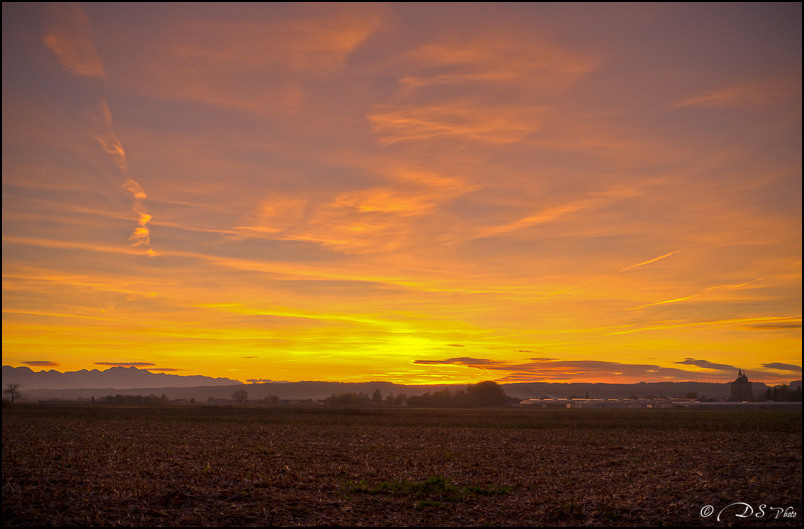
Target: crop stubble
178, 466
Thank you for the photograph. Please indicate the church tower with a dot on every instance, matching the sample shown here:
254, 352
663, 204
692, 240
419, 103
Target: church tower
741, 388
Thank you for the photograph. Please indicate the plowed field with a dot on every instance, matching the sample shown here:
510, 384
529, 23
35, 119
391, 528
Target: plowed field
207, 466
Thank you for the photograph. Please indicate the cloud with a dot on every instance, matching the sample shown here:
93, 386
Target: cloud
550, 369
549, 214
464, 361
40, 363
141, 236
308, 38
461, 120
706, 364
780, 326
260, 60
125, 364
783, 367
747, 93
68, 34
374, 219
510, 56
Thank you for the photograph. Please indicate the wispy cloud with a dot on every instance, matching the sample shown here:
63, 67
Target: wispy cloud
783, 324
783, 367
549, 214
68, 34
706, 364
496, 57
40, 363
463, 360
546, 369
746, 93
114, 148
125, 364
206, 58
464, 120
550, 369
376, 219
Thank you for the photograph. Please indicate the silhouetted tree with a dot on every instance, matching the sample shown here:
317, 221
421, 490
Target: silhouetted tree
12, 390
438, 399
783, 393
240, 395
487, 393
350, 399
460, 399
376, 398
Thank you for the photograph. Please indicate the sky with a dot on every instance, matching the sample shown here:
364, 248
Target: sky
417, 192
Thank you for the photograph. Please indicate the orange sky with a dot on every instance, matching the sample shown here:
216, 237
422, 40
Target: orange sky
418, 193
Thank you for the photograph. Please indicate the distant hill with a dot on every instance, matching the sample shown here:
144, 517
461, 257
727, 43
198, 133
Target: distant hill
85, 384
114, 377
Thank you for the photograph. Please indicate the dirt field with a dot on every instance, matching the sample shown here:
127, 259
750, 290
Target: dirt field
177, 466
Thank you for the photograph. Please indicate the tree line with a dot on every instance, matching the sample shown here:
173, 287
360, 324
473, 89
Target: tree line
783, 393
134, 399
363, 399
482, 394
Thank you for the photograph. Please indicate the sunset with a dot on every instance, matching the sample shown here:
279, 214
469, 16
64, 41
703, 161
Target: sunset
411, 193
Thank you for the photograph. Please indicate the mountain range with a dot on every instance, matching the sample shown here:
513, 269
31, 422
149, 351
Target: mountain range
114, 378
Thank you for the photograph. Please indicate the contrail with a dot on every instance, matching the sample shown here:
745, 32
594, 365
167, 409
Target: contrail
608, 275
649, 261
68, 34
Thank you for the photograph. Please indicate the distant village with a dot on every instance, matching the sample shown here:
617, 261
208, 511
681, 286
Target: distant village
740, 395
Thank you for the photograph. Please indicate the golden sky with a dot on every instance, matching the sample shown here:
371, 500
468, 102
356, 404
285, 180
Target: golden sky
417, 193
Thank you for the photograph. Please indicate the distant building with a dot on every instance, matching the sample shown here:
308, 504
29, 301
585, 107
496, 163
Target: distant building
741, 388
